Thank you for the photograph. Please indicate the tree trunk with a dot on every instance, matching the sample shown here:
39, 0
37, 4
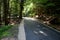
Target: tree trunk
0, 13
21, 8
6, 11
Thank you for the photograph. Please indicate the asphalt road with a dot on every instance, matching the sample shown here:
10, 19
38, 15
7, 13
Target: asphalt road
37, 31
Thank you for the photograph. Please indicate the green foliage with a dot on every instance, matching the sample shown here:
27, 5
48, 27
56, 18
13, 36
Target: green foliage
40, 1
14, 7
4, 29
28, 8
40, 5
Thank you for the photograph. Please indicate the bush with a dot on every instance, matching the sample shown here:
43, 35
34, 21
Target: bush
3, 29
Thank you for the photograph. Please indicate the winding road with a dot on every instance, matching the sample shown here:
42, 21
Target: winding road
33, 30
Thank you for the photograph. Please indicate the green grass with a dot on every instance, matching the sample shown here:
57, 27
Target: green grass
4, 29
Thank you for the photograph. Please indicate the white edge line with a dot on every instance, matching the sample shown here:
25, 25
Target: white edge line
21, 32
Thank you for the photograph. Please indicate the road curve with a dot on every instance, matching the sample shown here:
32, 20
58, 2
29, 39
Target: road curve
37, 31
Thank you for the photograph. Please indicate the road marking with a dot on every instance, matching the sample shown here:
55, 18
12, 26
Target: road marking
21, 34
43, 33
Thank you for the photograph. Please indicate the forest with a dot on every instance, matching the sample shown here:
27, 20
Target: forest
12, 11
46, 10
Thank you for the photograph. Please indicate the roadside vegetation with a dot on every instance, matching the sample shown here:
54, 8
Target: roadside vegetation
46, 10
10, 15
4, 30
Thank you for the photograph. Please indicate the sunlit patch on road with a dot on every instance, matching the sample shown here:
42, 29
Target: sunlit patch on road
28, 18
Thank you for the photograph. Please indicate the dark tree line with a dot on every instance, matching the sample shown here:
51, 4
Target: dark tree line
6, 11
55, 10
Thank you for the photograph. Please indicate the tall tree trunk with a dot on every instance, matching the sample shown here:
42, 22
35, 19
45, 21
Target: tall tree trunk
21, 8
6, 11
0, 13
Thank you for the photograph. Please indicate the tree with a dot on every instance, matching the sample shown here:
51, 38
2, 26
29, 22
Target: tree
6, 11
21, 8
0, 13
